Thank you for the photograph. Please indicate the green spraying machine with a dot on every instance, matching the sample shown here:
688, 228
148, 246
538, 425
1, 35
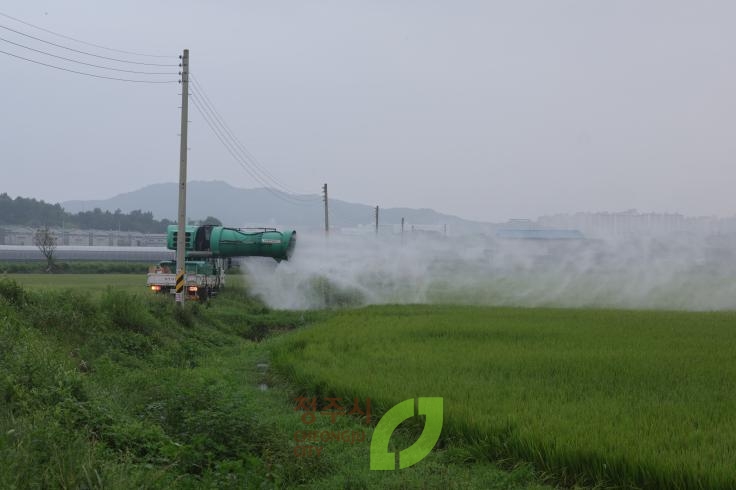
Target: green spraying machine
209, 248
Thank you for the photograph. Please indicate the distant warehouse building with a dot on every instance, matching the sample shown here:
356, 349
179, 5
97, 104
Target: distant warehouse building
23, 236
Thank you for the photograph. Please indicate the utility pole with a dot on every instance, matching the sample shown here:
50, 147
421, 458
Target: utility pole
402, 226
327, 213
376, 220
181, 235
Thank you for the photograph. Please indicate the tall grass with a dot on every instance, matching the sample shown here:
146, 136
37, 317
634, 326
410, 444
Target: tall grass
106, 392
118, 391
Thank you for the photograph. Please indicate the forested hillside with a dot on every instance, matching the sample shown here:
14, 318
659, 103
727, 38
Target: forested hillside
23, 211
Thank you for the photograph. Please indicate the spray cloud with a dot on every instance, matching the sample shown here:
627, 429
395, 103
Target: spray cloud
677, 271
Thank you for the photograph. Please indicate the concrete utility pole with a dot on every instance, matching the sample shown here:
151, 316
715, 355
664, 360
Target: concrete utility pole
376, 220
181, 235
327, 213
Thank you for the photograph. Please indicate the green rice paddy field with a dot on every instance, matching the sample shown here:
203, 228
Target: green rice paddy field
606, 398
92, 283
598, 397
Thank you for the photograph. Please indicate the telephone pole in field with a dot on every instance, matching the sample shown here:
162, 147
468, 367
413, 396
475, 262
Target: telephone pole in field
376, 220
181, 235
327, 213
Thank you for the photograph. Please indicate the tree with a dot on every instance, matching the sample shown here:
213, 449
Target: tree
45, 240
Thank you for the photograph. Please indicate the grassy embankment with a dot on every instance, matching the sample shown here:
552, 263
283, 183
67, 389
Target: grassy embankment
644, 399
74, 267
117, 390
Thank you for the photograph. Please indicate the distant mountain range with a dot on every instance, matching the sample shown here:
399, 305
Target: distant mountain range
265, 207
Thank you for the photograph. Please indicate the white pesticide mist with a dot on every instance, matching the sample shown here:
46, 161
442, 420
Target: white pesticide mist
679, 271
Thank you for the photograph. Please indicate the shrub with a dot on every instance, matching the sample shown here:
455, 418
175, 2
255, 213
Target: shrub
64, 311
12, 292
126, 311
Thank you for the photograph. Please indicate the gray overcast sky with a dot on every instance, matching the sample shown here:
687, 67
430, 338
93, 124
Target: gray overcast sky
485, 109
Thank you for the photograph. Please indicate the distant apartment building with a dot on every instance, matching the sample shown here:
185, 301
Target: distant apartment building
632, 222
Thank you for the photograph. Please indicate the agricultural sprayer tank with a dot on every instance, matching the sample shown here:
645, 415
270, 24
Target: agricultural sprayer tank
224, 242
206, 249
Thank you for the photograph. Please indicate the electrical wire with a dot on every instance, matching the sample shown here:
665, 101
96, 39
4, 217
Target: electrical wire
82, 62
87, 74
278, 194
84, 42
198, 90
228, 146
83, 52
200, 99
250, 159
272, 182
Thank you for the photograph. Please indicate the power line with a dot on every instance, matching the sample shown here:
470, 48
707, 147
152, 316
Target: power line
82, 62
84, 42
247, 155
204, 106
228, 146
83, 52
279, 194
87, 74
234, 143
199, 91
